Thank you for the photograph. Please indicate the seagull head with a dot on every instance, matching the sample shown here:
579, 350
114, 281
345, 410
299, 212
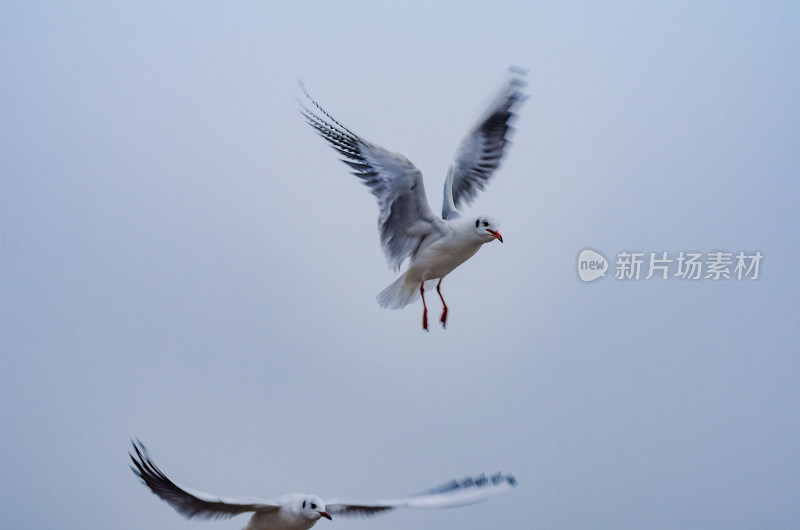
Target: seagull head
313, 508
487, 228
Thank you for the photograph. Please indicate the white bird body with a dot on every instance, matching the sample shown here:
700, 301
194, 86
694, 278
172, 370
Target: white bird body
434, 260
440, 257
289, 516
298, 511
408, 228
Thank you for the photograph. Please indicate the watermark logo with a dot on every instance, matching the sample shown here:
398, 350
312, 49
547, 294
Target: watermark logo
683, 265
591, 265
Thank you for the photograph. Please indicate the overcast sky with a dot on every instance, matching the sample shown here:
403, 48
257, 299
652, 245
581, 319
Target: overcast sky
182, 260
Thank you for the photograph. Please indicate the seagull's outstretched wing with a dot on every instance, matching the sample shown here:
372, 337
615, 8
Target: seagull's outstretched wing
469, 490
479, 154
405, 217
187, 502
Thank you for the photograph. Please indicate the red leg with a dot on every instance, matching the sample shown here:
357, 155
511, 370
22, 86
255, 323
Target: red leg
443, 320
424, 307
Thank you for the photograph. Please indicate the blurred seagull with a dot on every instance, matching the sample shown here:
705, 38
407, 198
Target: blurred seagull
298, 511
407, 225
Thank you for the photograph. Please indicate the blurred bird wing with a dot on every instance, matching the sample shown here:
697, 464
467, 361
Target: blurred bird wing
480, 152
470, 490
187, 502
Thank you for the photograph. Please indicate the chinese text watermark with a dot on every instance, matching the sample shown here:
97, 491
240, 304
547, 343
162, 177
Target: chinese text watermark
683, 265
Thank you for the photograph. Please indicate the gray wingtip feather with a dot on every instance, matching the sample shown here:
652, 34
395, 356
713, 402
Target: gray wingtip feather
478, 481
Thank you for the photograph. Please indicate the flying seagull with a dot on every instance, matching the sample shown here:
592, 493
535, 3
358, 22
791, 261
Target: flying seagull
408, 227
298, 511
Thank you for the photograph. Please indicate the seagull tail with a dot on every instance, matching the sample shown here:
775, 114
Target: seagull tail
399, 294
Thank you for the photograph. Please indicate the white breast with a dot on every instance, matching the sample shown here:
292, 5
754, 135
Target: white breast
441, 256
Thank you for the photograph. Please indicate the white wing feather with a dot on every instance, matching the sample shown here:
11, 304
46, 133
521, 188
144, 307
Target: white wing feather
470, 490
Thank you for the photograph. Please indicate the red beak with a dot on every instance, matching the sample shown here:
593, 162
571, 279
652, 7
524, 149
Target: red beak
496, 235
326, 515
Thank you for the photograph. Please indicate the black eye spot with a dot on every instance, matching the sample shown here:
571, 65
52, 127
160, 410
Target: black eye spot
485, 223
313, 506
304, 505
477, 222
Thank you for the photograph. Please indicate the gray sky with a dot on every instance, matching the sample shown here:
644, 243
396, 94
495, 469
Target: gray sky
184, 261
